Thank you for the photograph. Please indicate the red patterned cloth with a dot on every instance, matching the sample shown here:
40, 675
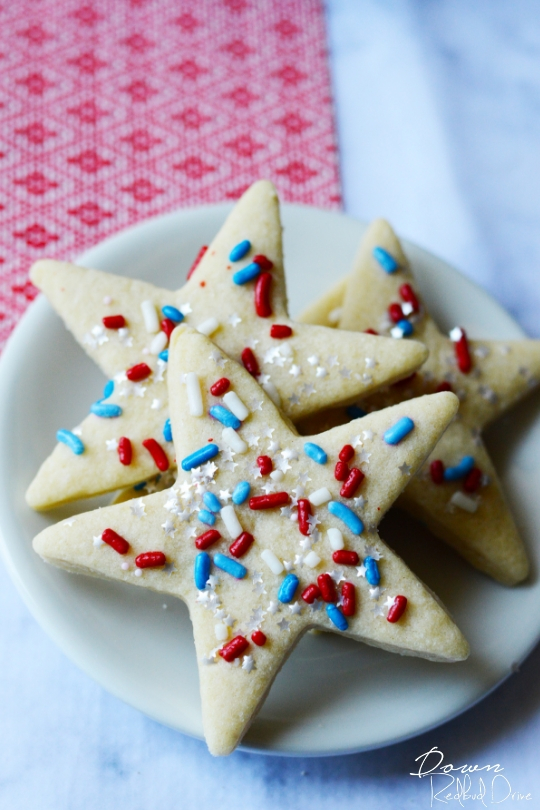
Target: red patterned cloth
112, 111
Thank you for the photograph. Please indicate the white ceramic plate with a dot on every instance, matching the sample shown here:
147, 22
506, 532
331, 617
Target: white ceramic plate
333, 695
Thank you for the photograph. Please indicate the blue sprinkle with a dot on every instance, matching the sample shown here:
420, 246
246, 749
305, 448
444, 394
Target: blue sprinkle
355, 412
239, 251
199, 457
206, 517
287, 589
372, 571
385, 259
225, 416
406, 327
201, 570
172, 313
167, 431
336, 617
211, 501
105, 409
164, 355
108, 390
73, 442
140, 486
247, 273
315, 453
460, 470
232, 567
241, 491
397, 432
349, 518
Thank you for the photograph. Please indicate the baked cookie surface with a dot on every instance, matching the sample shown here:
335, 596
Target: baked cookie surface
124, 325
295, 547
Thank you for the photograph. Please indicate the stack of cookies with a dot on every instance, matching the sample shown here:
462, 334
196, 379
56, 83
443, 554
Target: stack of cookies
252, 458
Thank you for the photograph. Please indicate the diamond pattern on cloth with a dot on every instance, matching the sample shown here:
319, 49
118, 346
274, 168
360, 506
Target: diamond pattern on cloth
111, 112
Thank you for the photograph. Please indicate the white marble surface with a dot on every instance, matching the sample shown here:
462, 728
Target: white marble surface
438, 108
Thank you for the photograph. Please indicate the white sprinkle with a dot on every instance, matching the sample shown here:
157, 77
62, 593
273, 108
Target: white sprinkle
397, 332
464, 502
276, 475
407, 309
235, 405
107, 300
335, 538
125, 566
138, 572
271, 561
456, 334
234, 441
334, 316
222, 631
158, 343
272, 392
98, 541
208, 327
319, 497
150, 317
285, 350
312, 560
232, 524
193, 386
156, 404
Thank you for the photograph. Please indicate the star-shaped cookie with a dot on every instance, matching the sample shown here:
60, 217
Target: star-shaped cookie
237, 295
261, 540
457, 494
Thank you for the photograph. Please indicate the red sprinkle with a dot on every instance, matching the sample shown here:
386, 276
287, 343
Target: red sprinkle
409, 295
311, 593
150, 559
278, 330
436, 470
395, 312
304, 512
397, 610
370, 332
158, 454
472, 480
139, 372
207, 539
463, 357
198, 258
125, 451
354, 479
114, 321
263, 307
346, 452
345, 557
250, 362
116, 541
234, 648
263, 262
327, 587
348, 599
220, 386
167, 325
258, 638
443, 386
269, 501
241, 544
264, 463
341, 471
